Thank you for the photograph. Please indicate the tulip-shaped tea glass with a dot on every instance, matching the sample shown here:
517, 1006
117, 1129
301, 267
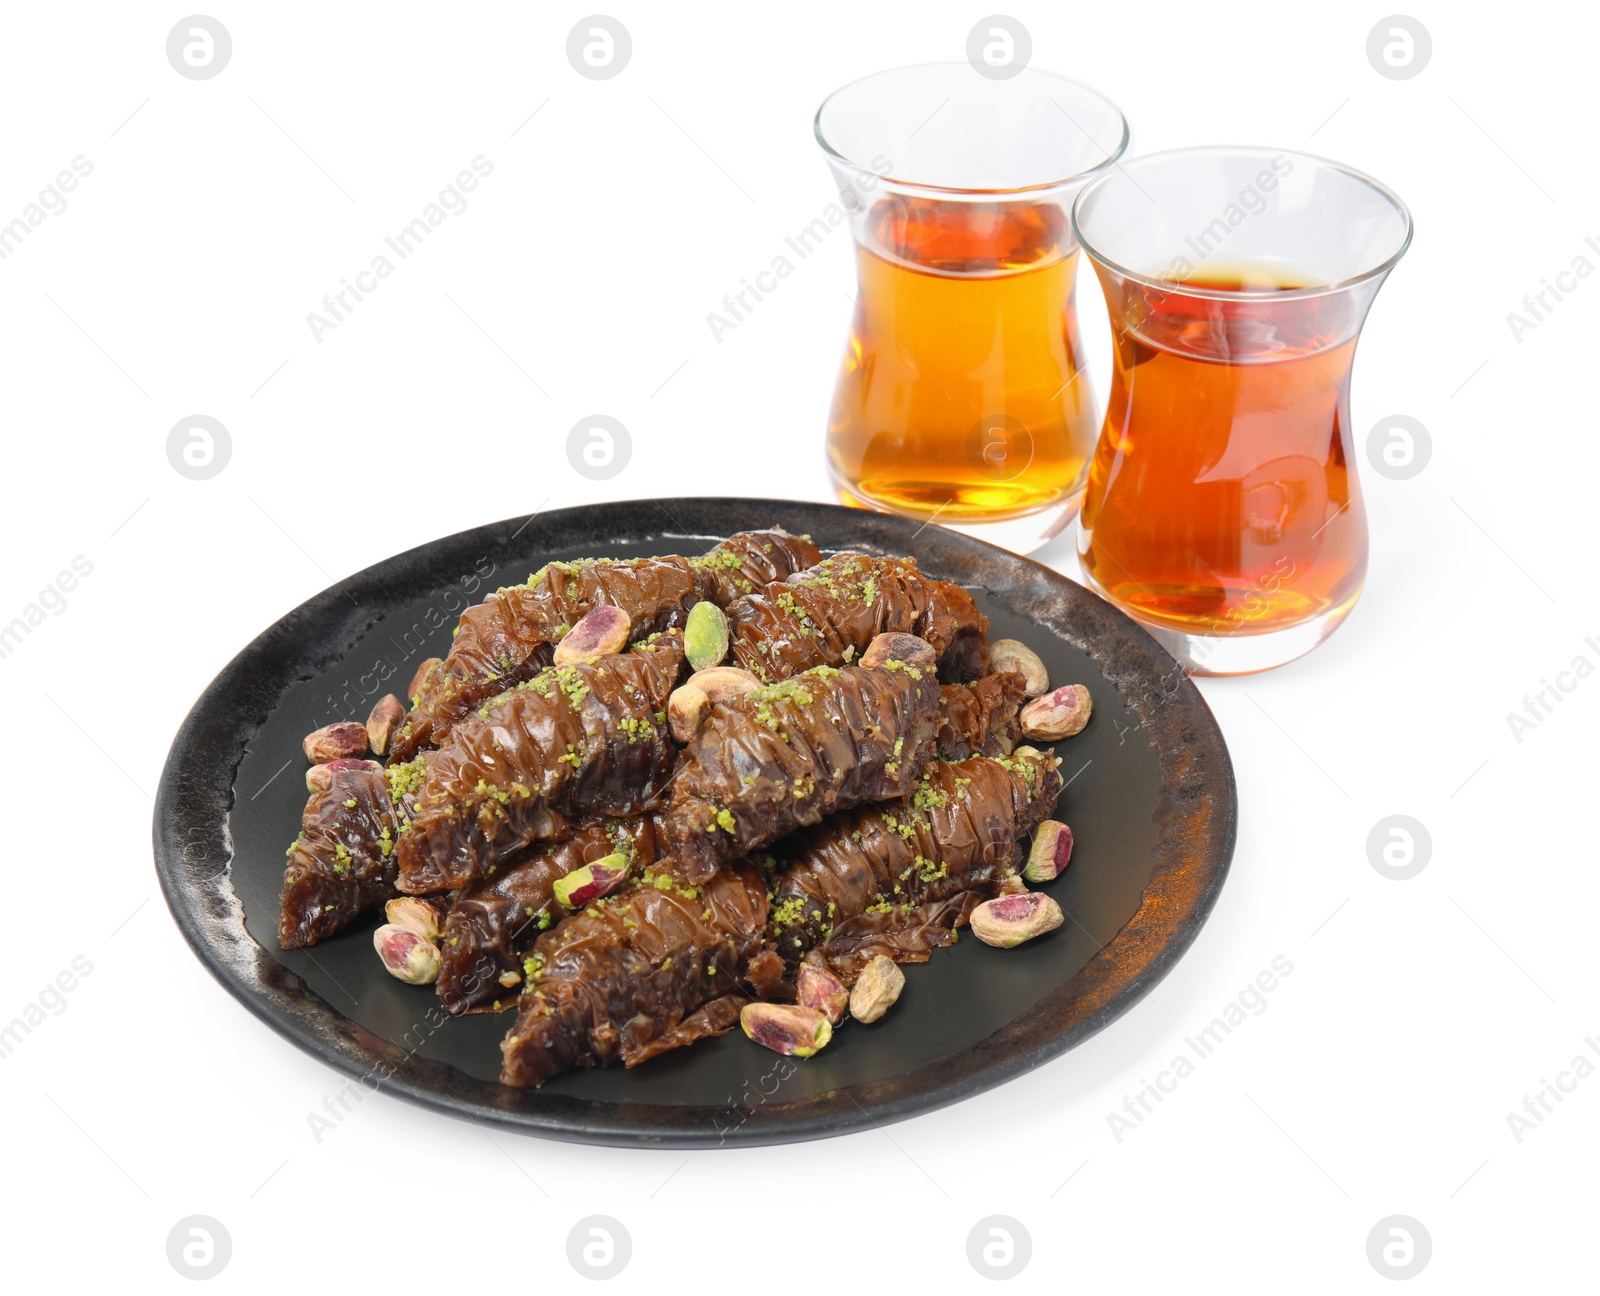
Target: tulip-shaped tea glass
1223, 511
962, 395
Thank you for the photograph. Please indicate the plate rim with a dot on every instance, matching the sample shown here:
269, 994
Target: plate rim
193, 847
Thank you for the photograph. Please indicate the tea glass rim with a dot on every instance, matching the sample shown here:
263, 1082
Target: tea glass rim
1179, 287
1112, 158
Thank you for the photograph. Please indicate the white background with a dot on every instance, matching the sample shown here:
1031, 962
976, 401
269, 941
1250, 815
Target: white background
178, 280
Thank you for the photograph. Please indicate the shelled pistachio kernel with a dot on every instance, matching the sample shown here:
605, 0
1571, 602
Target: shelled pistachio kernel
786, 1028
1012, 919
600, 630
1014, 655
705, 636
592, 881
876, 989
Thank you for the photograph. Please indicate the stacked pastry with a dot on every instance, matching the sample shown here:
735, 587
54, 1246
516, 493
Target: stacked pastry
644, 800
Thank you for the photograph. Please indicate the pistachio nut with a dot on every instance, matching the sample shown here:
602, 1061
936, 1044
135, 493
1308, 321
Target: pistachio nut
600, 630
686, 711
592, 881
786, 1028
414, 689
1058, 714
817, 987
1014, 655
705, 636
408, 957
319, 778
415, 914
876, 989
337, 741
906, 649
1049, 853
1012, 919
387, 716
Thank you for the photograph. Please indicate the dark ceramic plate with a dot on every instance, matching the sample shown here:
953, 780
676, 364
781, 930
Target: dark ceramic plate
1150, 799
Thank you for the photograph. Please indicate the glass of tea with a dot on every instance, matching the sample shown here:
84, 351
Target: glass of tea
962, 395
1223, 510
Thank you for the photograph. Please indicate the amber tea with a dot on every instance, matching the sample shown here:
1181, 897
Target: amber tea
961, 392
961, 398
1221, 498
1223, 510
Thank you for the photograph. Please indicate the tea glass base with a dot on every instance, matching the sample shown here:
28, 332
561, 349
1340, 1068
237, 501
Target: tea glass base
1021, 534
1238, 654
